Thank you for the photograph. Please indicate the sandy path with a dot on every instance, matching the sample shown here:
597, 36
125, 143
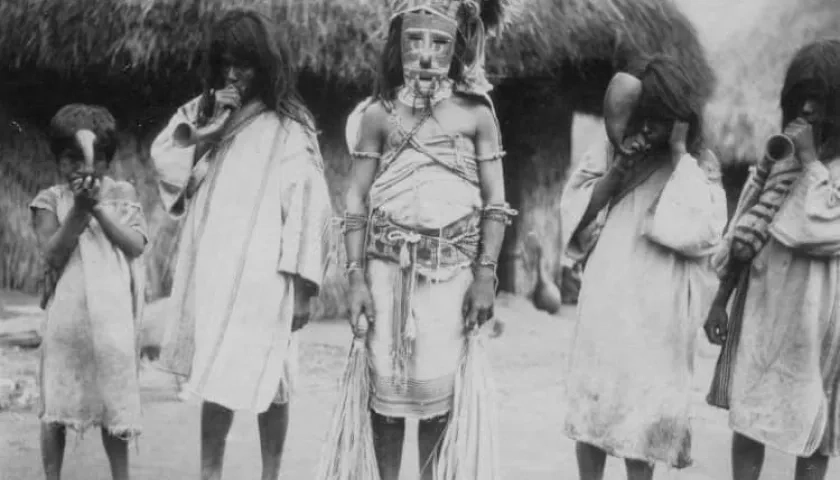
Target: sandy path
529, 360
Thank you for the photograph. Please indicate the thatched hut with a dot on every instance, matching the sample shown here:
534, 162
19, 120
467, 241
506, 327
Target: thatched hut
750, 64
137, 58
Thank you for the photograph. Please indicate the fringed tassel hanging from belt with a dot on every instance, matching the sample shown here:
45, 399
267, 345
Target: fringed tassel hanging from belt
405, 324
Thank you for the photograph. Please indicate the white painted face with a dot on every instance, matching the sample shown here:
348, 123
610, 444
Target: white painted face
427, 46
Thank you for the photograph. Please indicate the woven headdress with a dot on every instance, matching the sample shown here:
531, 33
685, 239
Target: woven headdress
490, 12
473, 19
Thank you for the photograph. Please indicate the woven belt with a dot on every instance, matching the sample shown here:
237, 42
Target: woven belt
455, 244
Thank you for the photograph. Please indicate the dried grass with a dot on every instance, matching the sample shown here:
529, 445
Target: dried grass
744, 111
348, 452
25, 168
147, 47
470, 447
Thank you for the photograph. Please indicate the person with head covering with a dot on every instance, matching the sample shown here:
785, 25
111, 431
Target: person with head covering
426, 215
779, 370
92, 233
653, 196
240, 166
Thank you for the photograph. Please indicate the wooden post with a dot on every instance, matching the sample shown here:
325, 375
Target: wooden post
536, 132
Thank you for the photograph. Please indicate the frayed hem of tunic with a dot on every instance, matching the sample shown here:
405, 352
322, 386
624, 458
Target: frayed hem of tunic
757, 438
626, 455
123, 432
195, 398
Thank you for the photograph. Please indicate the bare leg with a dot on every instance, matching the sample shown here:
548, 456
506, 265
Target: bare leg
811, 468
747, 458
215, 425
117, 451
53, 439
429, 437
388, 436
274, 424
591, 461
638, 470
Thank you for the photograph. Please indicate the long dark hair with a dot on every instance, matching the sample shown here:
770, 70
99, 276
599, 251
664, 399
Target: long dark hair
814, 73
390, 74
249, 36
669, 93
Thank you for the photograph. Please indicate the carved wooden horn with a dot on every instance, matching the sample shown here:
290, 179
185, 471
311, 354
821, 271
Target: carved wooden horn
620, 101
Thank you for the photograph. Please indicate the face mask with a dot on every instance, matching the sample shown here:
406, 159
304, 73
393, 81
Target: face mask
428, 45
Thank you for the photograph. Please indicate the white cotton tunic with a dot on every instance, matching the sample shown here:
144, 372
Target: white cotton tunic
646, 286
259, 217
786, 372
89, 356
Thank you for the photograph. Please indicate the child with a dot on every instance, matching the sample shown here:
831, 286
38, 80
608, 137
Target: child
91, 231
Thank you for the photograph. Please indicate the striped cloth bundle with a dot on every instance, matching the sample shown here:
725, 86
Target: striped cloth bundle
765, 192
751, 229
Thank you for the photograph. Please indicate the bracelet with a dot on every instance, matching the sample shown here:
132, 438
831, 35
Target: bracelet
350, 266
366, 155
485, 260
492, 157
501, 213
353, 222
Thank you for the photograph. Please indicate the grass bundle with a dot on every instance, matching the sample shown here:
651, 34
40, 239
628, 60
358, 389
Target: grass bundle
470, 448
348, 453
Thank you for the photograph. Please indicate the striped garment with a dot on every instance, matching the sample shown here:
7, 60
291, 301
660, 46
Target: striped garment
751, 230
721, 386
763, 196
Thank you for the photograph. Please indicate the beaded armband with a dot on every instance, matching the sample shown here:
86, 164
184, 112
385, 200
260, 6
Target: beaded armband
501, 213
366, 155
492, 157
353, 222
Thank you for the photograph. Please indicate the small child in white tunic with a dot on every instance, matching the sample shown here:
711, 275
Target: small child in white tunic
92, 233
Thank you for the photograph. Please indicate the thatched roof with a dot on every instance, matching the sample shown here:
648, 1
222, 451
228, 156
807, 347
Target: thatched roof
751, 65
143, 50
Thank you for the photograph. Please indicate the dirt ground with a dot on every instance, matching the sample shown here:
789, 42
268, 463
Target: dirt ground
528, 359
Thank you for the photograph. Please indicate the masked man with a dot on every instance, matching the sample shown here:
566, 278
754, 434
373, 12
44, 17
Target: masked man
426, 214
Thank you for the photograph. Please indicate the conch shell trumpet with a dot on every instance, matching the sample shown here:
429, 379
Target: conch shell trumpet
186, 134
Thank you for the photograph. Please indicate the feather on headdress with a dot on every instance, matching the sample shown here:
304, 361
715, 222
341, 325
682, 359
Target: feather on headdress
490, 12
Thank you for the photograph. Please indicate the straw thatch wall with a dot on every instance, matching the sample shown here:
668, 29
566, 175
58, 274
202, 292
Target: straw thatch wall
751, 64
137, 58
147, 47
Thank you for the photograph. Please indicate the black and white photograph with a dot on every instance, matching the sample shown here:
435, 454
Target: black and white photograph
419, 239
